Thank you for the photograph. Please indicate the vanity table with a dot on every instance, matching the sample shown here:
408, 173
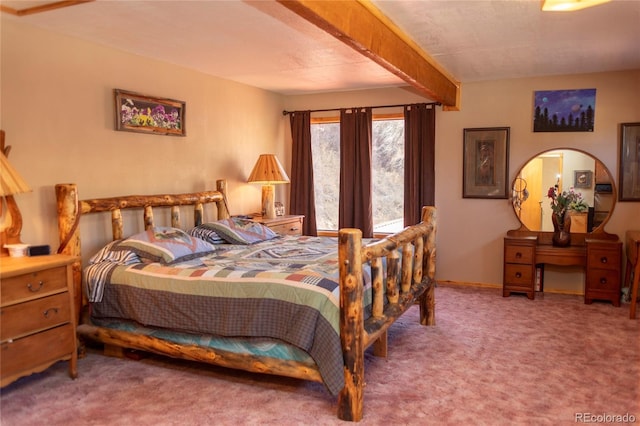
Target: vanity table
529, 248
600, 258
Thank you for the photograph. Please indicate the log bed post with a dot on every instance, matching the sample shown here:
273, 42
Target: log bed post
223, 206
427, 300
68, 217
351, 399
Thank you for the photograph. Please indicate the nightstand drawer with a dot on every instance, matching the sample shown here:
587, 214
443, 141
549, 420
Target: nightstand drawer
289, 228
33, 285
29, 317
36, 352
283, 225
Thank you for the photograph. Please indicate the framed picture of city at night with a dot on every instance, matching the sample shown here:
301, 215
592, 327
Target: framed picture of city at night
564, 110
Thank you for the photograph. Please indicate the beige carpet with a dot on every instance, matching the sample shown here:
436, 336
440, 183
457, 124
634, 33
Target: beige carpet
489, 361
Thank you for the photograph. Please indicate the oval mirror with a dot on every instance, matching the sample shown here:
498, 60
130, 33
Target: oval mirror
570, 169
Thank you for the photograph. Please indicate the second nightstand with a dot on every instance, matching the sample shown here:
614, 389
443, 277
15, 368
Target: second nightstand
285, 225
38, 321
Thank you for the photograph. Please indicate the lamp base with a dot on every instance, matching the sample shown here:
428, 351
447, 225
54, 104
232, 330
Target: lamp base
11, 224
268, 204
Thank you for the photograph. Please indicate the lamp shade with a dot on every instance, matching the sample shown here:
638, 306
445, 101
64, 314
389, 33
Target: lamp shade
10, 180
268, 170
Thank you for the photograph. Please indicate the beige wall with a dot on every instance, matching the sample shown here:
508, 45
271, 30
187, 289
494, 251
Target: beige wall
57, 110
58, 115
471, 230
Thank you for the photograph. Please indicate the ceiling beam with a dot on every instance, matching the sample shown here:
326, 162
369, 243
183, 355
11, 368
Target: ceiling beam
360, 25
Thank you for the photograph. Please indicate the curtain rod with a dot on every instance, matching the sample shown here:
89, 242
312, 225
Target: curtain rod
285, 112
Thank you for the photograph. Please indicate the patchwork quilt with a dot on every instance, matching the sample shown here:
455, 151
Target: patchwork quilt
286, 289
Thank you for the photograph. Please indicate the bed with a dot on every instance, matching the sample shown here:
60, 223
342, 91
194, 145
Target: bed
302, 307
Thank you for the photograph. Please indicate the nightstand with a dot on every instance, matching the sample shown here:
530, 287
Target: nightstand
37, 310
285, 225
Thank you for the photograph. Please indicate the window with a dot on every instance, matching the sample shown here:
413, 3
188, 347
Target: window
387, 173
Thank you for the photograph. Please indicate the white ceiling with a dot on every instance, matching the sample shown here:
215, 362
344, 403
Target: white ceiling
263, 44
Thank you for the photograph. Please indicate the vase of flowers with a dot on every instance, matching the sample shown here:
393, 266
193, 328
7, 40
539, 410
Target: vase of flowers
561, 230
561, 205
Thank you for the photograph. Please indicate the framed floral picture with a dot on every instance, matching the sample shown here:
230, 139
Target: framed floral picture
629, 169
485, 167
149, 114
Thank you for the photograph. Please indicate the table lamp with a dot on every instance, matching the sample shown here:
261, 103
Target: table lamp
268, 171
10, 183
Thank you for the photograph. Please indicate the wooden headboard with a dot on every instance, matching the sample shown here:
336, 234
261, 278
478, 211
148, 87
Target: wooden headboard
71, 208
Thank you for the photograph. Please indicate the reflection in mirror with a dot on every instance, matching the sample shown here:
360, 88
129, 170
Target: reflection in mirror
570, 170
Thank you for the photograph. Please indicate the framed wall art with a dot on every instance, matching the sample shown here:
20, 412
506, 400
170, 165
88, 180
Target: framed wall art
629, 169
485, 167
149, 114
582, 178
564, 110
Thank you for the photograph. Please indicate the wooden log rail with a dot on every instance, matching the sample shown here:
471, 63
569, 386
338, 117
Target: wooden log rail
417, 282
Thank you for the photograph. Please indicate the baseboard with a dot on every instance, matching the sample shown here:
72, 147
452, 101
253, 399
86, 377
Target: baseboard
499, 286
468, 284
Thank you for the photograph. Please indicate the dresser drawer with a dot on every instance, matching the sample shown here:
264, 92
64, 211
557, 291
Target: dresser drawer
519, 254
33, 285
37, 350
518, 275
39, 314
603, 279
603, 259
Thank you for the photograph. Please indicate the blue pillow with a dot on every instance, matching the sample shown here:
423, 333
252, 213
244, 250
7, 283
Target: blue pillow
165, 245
242, 231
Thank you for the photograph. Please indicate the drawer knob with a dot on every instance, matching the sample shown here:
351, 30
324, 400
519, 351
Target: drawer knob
46, 313
518, 275
603, 259
518, 255
34, 290
603, 280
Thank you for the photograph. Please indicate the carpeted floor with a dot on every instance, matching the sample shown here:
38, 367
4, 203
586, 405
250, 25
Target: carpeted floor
489, 361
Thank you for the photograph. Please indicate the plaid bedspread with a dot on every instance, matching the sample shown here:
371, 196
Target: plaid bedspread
285, 289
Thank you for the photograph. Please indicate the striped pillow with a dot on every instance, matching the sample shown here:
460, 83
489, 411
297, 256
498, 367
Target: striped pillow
205, 232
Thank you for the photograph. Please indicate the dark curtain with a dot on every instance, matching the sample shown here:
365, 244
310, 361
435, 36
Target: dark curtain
302, 193
419, 160
355, 208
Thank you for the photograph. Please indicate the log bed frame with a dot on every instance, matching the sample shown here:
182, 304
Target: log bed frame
416, 272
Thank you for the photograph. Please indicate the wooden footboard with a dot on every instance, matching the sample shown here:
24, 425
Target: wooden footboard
404, 261
417, 273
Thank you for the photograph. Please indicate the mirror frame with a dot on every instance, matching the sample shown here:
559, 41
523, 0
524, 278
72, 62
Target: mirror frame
600, 228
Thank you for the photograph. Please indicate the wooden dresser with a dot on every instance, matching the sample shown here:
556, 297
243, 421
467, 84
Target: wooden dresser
285, 225
601, 258
37, 315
